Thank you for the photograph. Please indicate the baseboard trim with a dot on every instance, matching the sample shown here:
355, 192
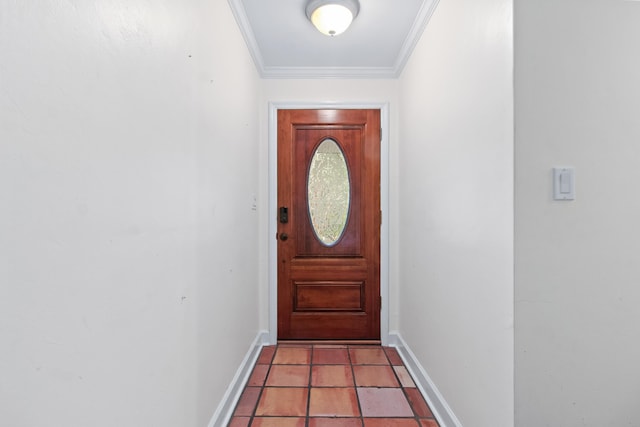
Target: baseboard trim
439, 407
223, 413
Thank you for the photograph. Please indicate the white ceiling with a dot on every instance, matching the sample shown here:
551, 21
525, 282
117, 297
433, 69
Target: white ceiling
284, 44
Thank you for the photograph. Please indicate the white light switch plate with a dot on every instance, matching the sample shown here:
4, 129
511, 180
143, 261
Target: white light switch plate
564, 183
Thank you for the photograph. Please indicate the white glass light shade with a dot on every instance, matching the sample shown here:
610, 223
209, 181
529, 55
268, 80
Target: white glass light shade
332, 17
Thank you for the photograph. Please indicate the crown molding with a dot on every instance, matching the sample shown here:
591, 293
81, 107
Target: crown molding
328, 72
247, 33
271, 72
422, 19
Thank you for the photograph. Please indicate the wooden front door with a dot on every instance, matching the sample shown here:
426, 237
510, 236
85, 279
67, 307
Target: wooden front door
329, 224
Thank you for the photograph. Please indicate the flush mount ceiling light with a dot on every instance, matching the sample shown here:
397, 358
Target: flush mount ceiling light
332, 17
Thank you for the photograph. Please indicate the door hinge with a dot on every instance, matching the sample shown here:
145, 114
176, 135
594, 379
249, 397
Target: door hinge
380, 302
380, 218
380, 134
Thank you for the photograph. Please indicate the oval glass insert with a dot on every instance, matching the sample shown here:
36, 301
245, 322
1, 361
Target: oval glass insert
328, 192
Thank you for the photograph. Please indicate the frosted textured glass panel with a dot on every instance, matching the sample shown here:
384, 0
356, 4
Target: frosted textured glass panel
328, 192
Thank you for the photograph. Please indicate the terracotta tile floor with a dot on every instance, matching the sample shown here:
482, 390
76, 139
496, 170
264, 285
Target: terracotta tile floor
331, 386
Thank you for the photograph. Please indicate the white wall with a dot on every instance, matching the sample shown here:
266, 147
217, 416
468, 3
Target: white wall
456, 208
228, 309
127, 160
577, 270
328, 92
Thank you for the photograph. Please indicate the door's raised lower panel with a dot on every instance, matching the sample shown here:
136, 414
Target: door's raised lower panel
329, 325
328, 296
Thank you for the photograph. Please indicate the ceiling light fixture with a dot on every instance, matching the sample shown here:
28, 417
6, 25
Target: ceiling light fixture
332, 17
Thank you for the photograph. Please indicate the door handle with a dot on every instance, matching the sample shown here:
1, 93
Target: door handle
284, 237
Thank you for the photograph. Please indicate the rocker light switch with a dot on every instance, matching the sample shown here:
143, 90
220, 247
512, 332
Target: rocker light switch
564, 183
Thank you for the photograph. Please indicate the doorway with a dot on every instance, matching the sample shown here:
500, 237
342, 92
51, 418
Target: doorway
329, 222
308, 298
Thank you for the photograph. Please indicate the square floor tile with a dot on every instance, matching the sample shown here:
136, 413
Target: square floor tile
258, 376
403, 375
292, 356
333, 402
331, 376
390, 422
288, 376
266, 355
248, 401
283, 402
418, 403
327, 385
240, 422
375, 376
330, 356
278, 422
335, 422
393, 356
368, 356
384, 402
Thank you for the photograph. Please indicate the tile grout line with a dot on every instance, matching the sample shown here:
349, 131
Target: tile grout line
264, 384
306, 421
355, 386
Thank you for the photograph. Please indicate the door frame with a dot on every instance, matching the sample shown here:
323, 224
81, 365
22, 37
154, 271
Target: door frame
273, 206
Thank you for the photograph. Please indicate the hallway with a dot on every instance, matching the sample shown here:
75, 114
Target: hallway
295, 385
